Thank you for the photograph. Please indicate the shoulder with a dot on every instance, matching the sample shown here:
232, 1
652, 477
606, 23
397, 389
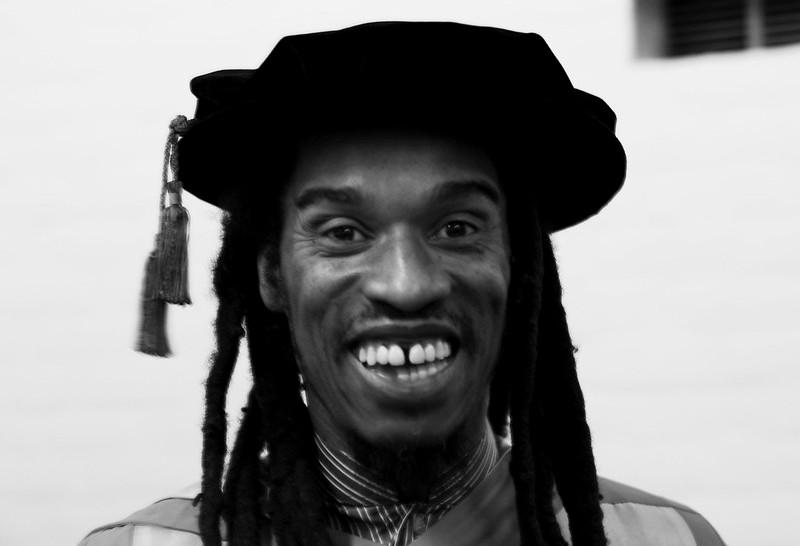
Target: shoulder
171, 521
632, 516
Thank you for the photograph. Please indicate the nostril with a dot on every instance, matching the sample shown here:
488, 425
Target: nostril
407, 291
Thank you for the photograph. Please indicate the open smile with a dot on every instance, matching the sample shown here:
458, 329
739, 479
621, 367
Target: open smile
407, 361
405, 365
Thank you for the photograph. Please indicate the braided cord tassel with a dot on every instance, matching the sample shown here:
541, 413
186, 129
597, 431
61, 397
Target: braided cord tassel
166, 278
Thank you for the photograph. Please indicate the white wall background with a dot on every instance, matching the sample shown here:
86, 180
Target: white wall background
682, 296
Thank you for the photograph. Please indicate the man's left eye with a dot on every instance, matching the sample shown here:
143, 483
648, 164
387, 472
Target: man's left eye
454, 229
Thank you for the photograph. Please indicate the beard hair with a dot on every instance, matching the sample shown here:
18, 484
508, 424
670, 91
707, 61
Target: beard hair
409, 468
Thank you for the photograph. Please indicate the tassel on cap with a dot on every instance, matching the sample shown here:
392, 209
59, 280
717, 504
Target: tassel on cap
173, 255
153, 320
166, 278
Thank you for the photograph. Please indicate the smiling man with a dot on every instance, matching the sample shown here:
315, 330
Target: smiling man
394, 269
390, 192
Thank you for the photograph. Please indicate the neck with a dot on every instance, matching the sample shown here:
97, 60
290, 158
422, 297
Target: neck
413, 473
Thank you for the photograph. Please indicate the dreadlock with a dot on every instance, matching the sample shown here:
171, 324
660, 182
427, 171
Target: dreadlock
567, 447
535, 389
275, 417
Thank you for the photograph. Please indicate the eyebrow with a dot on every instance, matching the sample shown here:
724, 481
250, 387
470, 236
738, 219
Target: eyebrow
452, 189
313, 196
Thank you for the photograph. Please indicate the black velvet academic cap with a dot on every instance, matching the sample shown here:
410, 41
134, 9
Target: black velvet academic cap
503, 90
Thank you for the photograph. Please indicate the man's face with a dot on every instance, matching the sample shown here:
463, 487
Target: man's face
394, 271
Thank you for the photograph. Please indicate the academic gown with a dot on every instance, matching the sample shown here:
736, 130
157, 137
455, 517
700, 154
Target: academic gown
487, 516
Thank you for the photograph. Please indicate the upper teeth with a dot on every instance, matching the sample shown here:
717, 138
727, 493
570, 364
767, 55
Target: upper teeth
394, 355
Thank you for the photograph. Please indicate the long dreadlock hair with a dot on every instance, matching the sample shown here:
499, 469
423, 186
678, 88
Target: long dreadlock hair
535, 389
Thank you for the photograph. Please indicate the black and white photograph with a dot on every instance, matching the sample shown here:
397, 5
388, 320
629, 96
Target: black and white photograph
421, 273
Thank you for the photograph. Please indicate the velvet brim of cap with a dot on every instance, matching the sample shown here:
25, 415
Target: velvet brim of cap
570, 162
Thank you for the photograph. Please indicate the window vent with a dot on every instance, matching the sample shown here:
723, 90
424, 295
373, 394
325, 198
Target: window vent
670, 28
781, 22
700, 27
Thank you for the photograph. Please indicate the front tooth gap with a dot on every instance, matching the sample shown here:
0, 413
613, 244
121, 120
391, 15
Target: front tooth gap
396, 356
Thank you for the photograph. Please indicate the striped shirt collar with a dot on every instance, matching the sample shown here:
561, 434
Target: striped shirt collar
360, 505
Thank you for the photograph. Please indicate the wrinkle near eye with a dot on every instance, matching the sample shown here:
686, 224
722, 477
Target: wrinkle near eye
313, 238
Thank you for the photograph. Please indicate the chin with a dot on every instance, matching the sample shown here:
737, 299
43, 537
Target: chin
422, 431
398, 436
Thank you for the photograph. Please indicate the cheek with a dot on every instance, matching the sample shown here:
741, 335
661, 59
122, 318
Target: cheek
312, 284
482, 289
488, 280
315, 292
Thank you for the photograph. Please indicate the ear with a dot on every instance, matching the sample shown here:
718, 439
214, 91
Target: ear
269, 284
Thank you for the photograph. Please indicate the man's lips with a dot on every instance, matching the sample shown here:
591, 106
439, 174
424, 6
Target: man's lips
392, 353
402, 333
398, 344
405, 353
409, 381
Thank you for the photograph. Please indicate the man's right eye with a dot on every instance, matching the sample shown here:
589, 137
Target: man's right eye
344, 234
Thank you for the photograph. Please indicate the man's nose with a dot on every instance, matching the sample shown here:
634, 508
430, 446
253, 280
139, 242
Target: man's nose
406, 274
